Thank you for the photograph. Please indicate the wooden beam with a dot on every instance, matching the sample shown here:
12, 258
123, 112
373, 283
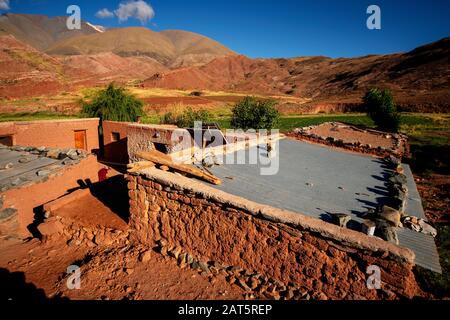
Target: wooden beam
138, 166
165, 160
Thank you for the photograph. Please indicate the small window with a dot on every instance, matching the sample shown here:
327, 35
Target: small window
160, 147
115, 136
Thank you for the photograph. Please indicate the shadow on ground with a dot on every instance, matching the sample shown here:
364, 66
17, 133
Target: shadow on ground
113, 193
15, 288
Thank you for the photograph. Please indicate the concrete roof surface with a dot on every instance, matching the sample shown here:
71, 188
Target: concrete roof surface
316, 180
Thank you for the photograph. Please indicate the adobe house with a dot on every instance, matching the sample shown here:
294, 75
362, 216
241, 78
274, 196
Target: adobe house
41, 161
71, 133
123, 139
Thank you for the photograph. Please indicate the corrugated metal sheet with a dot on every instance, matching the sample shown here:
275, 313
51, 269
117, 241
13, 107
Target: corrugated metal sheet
316, 180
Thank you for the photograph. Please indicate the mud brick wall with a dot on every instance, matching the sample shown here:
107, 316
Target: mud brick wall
115, 151
211, 225
24, 200
52, 133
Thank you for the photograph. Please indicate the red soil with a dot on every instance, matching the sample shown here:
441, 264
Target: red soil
109, 270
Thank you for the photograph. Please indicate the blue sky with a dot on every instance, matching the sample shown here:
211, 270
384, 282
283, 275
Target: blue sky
280, 28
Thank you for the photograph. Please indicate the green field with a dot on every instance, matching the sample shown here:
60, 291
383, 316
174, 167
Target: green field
25, 116
422, 128
429, 133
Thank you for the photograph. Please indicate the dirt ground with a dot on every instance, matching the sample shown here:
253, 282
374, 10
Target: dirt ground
434, 190
38, 269
435, 193
35, 269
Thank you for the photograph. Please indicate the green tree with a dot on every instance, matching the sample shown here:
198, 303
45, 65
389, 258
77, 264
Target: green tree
382, 110
115, 104
253, 113
185, 118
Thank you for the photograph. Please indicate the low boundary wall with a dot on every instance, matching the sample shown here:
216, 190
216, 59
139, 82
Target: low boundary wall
211, 225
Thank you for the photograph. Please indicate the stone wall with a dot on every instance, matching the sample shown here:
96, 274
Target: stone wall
148, 137
210, 225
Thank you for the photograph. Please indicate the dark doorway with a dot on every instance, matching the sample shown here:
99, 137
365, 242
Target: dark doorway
6, 140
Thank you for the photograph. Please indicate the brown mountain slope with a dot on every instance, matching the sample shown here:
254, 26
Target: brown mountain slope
25, 71
172, 48
124, 42
109, 66
420, 77
167, 47
40, 31
193, 49
186, 42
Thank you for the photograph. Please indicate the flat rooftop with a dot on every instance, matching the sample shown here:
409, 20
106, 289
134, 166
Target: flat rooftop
315, 180
20, 166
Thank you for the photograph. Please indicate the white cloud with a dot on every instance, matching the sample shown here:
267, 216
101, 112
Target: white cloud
137, 9
4, 4
104, 13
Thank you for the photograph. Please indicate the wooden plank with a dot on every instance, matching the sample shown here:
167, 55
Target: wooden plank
140, 163
138, 166
165, 160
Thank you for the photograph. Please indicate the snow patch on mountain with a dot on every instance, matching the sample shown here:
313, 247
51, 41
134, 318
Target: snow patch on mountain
97, 28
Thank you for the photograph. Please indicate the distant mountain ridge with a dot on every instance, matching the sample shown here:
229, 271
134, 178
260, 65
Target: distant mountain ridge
40, 31
39, 55
171, 48
421, 76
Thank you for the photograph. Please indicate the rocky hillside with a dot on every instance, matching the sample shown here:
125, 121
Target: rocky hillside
39, 55
171, 48
25, 71
420, 77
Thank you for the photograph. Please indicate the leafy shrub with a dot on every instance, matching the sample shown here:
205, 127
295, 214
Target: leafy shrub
382, 109
115, 104
185, 117
252, 113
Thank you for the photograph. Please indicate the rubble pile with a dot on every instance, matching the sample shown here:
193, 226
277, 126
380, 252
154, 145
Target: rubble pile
398, 148
393, 215
78, 235
256, 285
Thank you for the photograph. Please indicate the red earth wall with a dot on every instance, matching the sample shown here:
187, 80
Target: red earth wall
250, 236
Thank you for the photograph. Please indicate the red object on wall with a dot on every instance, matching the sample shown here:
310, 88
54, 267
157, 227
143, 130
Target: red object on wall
103, 174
